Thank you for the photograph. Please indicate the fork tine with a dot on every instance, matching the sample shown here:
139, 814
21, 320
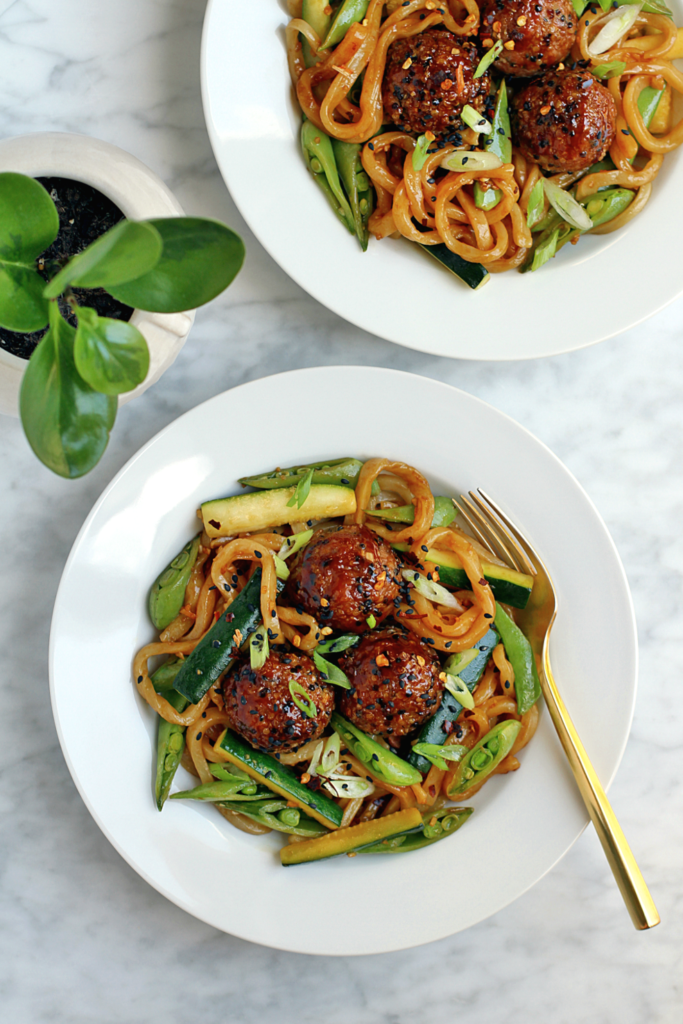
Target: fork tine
517, 540
465, 511
496, 543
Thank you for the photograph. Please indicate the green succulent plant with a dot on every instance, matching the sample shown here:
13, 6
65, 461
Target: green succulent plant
69, 392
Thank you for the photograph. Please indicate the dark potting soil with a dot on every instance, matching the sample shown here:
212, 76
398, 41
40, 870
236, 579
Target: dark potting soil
84, 215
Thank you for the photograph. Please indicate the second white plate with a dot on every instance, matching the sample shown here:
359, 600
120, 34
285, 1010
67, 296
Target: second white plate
590, 292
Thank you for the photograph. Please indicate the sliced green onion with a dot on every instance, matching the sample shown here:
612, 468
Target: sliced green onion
337, 644
421, 150
474, 160
348, 786
300, 697
611, 69
488, 58
258, 647
473, 119
331, 754
546, 249
650, 7
613, 28
432, 591
302, 491
331, 673
315, 760
458, 689
567, 207
605, 4
534, 211
294, 543
371, 621
580, 6
281, 569
440, 755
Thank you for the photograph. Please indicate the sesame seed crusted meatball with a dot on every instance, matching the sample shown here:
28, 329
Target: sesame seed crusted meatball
345, 574
535, 33
565, 120
261, 708
395, 684
428, 79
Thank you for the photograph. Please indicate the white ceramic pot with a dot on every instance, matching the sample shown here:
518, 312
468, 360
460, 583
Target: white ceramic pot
138, 193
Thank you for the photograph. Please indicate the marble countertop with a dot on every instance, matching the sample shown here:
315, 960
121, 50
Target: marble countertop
83, 938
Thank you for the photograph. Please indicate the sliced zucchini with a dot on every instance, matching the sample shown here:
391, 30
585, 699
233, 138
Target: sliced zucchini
262, 510
353, 839
435, 825
507, 585
277, 777
343, 472
216, 650
470, 668
444, 512
473, 274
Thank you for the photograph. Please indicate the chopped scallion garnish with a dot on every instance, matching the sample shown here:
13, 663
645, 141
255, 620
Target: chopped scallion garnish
546, 249
330, 672
302, 491
421, 149
292, 544
337, 644
348, 786
458, 689
534, 211
567, 207
258, 647
302, 700
281, 568
429, 589
371, 621
488, 58
474, 160
439, 755
613, 28
473, 119
612, 69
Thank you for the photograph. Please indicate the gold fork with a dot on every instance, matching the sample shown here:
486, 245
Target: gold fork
500, 536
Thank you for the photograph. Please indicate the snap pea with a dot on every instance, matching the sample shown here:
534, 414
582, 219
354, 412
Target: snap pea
382, 762
521, 657
168, 590
232, 787
319, 157
277, 815
357, 185
343, 472
316, 13
350, 13
484, 758
602, 207
435, 825
170, 738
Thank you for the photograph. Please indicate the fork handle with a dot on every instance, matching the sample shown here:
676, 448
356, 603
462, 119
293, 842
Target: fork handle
622, 862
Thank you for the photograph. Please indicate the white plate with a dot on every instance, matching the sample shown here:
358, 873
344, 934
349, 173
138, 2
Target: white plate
523, 822
590, 292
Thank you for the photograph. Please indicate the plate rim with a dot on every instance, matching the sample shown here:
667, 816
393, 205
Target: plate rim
125, 469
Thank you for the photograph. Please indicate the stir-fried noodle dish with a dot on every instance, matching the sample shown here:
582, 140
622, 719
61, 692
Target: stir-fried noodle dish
338, 661
491, 133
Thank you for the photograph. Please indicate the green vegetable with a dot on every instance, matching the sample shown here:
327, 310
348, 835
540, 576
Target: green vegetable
648, 101
500, 139
168, 590
440, 754
319, 157
486, 199
302, 490
335, 645
292, 544
471, 160
474, 275
568, 208
435, 825
648, 6
339, 471
170, 738
469, 666
459, 689
262, 510
605, 206
258, 648
278, 778
421, 151
521, 657
544, 250
444, 512
473, 119
507, 585
216, 650
28, 225
580, 6
488, 58
484, 758
359, 191
228, 788
534, 212
277, 815
353, 839
350, 13
331, 673
611, 69
383, 763
301, 698
429, 589
314, 12
371, 621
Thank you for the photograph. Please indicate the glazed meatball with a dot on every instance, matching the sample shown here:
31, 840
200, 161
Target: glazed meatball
261, 708
564, 120
428, 80
536, 33
344, 575
395, 684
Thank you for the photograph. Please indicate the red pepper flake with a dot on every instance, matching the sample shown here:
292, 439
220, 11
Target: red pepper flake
305, 778
510, 45
461, 79
406, 64
545, 110
420, 659
381, 661
324, 602
446, 84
